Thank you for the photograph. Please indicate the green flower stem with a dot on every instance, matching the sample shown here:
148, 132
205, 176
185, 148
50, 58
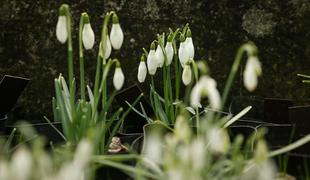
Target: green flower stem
97, 77
103, 48
81, 55
303, 75
248, 48
70, 59
172, 116
153, 96
177, 71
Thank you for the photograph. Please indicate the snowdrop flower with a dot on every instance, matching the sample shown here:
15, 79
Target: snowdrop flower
206, 86
61, 27
169, 52
83, 153
21, 164
252, 71
159, 56
4, 170
151, 60
142, 70
197, 153
107, 50
118, 78
218, 140
183, 54
189, 44
187, 74
88, 36
116, 34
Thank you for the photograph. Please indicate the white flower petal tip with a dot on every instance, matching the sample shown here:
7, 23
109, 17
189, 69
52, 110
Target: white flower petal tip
116, 36
21, 163
142, 71
190, 47
252, 71
108, 49
187, 75
152, 62
88, 36
183, 54
206, 86
159, 56
118, 78
169, 52
218, 140
61, 29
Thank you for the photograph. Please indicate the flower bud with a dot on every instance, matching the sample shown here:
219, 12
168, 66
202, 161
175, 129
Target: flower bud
252, 71
169, 52
107, 50
218, 140
118, 78
183, 54
142, 70
159, 56
151, 60
187, 75
189, 44
116, 34
61, 27
88, 36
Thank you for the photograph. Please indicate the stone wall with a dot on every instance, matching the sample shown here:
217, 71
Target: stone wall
280, 29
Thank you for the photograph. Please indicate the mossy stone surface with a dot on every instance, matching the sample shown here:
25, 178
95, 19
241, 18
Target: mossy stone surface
280, 29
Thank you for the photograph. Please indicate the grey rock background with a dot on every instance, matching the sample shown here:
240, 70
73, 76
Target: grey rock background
280, 29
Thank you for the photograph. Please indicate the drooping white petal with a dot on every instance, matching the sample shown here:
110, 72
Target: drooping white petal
195, 96
61, 29
206, 86
190, 47
251, 73
187, 75
169, 52
107, 50
21, 164
159, 56
116, 36
142, 70
152, 62
83, 153
118, 78
88, 36
218, 140
183, 54
4, 170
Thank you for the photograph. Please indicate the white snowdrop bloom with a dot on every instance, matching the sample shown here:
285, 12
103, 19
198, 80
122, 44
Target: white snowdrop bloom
116, 36
83, 153
206, 86
187, 75
4, 170
260, 171
142, 70
169, 52
107, 50
197, 154
159, 56
88, 36
252, 71
152, 148
118, 78
61, 29
21, 164
218, 140
183, 54
189, 44
151, 61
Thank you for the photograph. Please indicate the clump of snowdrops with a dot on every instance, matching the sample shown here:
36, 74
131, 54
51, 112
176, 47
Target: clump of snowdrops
89, 115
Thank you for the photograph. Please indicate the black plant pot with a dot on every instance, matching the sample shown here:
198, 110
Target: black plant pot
44, 129
3, 124
276, 110
300, 117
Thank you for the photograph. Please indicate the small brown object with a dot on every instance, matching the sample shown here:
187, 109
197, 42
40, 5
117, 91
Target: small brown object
116, 146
